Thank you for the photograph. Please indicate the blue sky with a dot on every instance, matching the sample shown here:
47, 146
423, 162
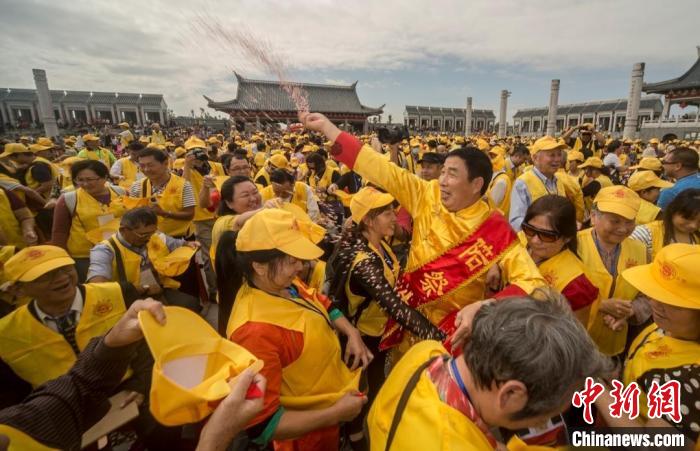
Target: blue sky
421, 52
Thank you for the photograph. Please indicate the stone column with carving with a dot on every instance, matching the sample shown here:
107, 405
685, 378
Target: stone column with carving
630, 130
553, 107
502, 123
468, 118
45, 103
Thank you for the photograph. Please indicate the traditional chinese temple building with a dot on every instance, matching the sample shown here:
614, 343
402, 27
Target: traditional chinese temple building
263, 101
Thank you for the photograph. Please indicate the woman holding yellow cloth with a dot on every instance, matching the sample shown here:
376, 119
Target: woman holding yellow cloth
669, 349
92, 205
310, 390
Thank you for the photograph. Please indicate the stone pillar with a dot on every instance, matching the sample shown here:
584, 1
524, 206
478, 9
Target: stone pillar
667, 108
45, 103
553, 106
5, 118
468, 118
502, 124
636, 79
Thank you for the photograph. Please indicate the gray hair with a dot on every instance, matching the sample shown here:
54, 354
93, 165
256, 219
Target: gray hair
537, 341
141, 216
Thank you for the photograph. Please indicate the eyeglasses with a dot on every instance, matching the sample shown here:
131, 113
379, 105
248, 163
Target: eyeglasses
546, 236
663, 162
87, 179
147, 234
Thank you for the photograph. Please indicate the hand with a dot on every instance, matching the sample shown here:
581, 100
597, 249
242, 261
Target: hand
132, 396
493, 278
332, 188
30, 237
319, 123
189, 161
614, 323
155, 208
356, 349
463, 323
349, 406
128, 330
193, 244
208, 182
616, 307
50, 204
233, 413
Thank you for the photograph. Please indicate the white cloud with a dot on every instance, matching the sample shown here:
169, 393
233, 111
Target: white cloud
154, 46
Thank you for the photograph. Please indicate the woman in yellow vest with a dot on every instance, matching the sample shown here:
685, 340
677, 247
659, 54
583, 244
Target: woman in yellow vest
680, 224
668, 350
292, 328
321, 175
17, 221
93, 151
550, 231
364, 273
606, 250
125, 171
501, 184
648, 186
595, 171
94, 204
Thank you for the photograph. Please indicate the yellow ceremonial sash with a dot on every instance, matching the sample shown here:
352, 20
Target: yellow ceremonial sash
632, 253
38, 354
372, 319
87, 217
318, 378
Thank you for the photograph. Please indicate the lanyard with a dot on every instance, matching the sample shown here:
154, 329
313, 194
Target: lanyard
458, 378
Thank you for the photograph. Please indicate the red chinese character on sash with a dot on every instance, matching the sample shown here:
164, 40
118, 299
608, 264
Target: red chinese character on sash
665, 400
626, 400
586, 397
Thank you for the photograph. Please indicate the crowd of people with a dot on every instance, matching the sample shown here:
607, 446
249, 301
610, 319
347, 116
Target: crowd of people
434, 292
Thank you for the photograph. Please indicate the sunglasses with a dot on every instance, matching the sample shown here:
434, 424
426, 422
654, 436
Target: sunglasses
546, 236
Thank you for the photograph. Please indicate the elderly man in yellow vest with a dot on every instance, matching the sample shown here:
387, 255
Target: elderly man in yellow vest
457, 239
157, 136
543, 179
197, 167
93, 151
606, 250
286, 189
648, 186
170, 196
125, 171
40, 340
125, 136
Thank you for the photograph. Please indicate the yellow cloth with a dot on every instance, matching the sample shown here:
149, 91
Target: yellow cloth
129, 171
632, 253
55, 175
170, 199
100, 154
561, 269
652, 349
299, 197
436, 230
89, 213
504, 205
325, 180
197, 180
427, 422
320, 357
648, 212
222, 224
372, 319
38, 354
573, 192
11, 228
157, 137
264, 174
19, 441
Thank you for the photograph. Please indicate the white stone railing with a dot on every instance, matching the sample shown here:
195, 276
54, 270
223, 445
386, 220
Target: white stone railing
673, 122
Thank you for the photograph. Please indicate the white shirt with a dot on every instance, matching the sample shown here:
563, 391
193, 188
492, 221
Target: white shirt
612, 159
47, 319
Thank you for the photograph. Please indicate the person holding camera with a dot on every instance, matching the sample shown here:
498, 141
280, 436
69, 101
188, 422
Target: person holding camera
584, 142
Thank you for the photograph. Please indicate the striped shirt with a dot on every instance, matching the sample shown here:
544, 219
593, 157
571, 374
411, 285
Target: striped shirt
188, 199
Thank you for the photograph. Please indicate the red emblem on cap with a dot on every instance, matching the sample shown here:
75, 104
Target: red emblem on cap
620, 193
34, 254
667, 271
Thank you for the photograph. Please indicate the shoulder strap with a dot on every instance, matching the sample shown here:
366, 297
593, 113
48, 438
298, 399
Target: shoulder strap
143, 187
403, 401
121, 273
71, 200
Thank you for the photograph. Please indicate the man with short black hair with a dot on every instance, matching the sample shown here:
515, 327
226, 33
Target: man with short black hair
681, 165
431, 165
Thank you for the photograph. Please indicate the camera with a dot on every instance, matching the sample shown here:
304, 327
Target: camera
200, 154
392, 135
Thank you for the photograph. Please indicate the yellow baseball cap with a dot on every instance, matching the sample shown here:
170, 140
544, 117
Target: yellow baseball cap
671, 278
33, 262
574, 155
180, 151
155, 146
619, 200
498, 151
592, 162
482, 144
641, 180
193, 366
546, 143
195, 143
123, 125
212, 140
279, 161
274, 228
46, 142
90, 137
39, 148
653, 141
649, 163
14, 148
365, 200
294, 162
144, 139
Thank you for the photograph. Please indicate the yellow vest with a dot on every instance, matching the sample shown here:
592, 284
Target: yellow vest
326, 179
158, 138
504, 206
222, 224
264, 174
573, 192
632, 253
38, 354
156, 249
657, 232
299, 198
604, 181
101, 154
426, 422
578, 145
561, 269
651, 350
19, 441
169, 200
197, 180
372, 319
318, 378
55, 174
85, 219
129, 171
536, 187
11, 228
318, 275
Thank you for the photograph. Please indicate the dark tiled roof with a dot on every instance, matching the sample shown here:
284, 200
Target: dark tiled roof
689, 80
443, 111
601, 106
262, 95
82, 97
